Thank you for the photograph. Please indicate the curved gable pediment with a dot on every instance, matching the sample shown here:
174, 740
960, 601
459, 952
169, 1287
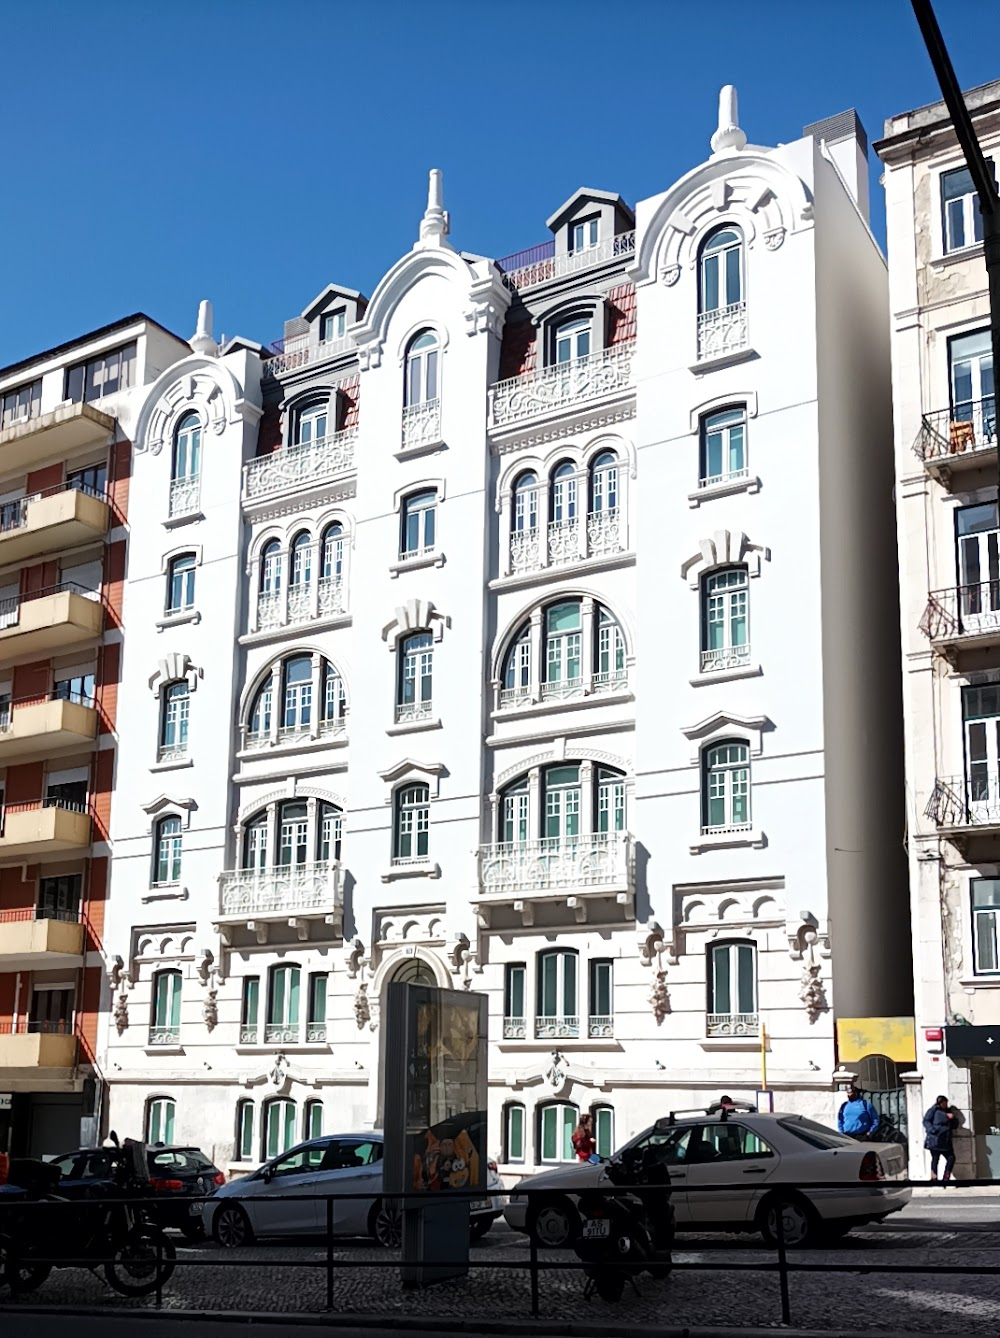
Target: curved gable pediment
200, 384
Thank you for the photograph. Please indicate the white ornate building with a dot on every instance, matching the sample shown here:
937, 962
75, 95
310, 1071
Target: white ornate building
482, 636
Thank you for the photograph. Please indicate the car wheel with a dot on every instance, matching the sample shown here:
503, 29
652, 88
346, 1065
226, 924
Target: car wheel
230, 1227
479, 1226
799, 1223
193, 1230
554, 1224
385, 1223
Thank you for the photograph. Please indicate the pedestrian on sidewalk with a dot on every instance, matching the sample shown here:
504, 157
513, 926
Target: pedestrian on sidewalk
584, 1143
857, 1117
940, 1123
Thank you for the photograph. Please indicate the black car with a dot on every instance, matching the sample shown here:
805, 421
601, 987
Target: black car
176, 1175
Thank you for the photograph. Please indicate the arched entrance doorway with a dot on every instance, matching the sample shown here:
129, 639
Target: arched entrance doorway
415, 971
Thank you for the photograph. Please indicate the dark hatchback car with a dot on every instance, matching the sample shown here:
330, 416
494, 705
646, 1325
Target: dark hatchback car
176, 1175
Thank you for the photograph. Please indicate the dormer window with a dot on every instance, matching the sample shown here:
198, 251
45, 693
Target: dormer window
572, 341
583, 235
332, 326
313, 424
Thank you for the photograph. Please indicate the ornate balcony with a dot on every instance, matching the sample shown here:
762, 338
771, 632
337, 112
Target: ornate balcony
50, 620
963, 616
281, 1033
185, 497
299, 352
539, 264
600, 1026
515, 1028
284, 895
573, 872
408, 713
62, 517
732, 1024
301, 604
564, 388
724, 657
958, 440
961, 806
557, 1028
723, 332
597, 534
294, 469
164, 1036
422, 424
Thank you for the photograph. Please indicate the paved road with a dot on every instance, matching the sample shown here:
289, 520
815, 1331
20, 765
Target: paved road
290, 1278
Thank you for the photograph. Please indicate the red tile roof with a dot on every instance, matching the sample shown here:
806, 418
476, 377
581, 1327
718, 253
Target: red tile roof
519, 351
621, 314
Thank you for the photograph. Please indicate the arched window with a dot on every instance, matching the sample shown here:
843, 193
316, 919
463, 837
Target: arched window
332, 552
416, 677
244, 1130
312, 1118
723, 446
260, 713
165, 1022
422, 368
415, 972
554, 1137
413, 820
604, 1129
293, 833
175, 705
312, 423
417, 527
609, 653
301, 560
725, 600
297, 695
604, 483
571, 340
513, 1132
721, 270
187, 448
726, 789
517, 677
557, 1014
180, 583
281, 1026
526, 503
168, 851
270, 568
255, 843
610, 801
514, 813
277, 1127
160, 1112
334, 698
564, 493
732, 989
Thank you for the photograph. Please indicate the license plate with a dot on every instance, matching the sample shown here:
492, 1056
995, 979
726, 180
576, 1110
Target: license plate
481, 1205
596, 1228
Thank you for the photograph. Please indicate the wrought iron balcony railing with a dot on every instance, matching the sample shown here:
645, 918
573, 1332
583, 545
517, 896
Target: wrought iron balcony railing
962, 611
965, 801
952, 436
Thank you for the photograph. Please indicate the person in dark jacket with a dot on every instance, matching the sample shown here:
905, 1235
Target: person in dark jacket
940, 1123
857, 1117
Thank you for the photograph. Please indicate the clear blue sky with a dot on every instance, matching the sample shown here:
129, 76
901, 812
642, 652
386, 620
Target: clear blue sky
249, 152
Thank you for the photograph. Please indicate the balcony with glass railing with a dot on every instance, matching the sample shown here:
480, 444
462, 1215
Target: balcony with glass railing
296, 469
289, 894
732, 1024
563, 388
723, 332
957, 440
539, 264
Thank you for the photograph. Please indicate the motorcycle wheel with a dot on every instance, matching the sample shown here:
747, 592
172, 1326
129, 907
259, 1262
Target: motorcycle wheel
23, 1277
609, 1283
133, 1269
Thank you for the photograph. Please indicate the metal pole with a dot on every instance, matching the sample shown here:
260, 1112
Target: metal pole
763, 1058
982, 173
786, 1307
329, 1252
533, 1246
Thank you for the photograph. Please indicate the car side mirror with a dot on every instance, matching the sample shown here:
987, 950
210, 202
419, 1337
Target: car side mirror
267, 1174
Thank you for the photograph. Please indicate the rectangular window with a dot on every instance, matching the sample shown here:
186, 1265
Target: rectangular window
600, 990
244, 1135
332, 326
280, 1132
251, 1002
181, 592
557, 985
723, 447
174, 732
93, 479
513, 991
418, 524
604, 1130
985, 925
59, 898
317, 1007
962, 223
167, 1008
515, 1133
584, 235
733, 985
20, 404
67, 794
79, 689
558, 1123
90, 381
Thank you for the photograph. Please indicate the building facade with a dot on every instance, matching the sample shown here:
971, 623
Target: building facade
460, 652
65, 467
946, 479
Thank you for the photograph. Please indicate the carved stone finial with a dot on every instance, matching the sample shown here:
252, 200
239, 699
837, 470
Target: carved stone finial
434, 226
201, 341
729, 135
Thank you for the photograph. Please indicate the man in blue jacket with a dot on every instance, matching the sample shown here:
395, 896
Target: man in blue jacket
857, 1117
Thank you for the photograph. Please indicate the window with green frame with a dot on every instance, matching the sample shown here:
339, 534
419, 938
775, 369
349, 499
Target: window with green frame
160, 1114
244, 1130
515, 1133
604, 1130
279, 1127
312, 1125
165, 1027
251, 1010
316, 1023
556, 1123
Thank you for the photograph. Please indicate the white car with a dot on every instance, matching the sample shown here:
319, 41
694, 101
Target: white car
767, 1157
324, 1168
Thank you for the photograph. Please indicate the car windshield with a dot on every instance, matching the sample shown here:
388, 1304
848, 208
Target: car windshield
179, 1159
815, 1134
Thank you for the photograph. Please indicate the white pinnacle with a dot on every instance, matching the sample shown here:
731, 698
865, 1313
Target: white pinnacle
434, 224
201, 341
729, 135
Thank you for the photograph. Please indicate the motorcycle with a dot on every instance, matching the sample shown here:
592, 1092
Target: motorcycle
625, 1234
40, 1231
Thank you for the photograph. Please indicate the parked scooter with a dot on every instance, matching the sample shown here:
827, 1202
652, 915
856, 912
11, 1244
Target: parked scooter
627, 1233
40, 1231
